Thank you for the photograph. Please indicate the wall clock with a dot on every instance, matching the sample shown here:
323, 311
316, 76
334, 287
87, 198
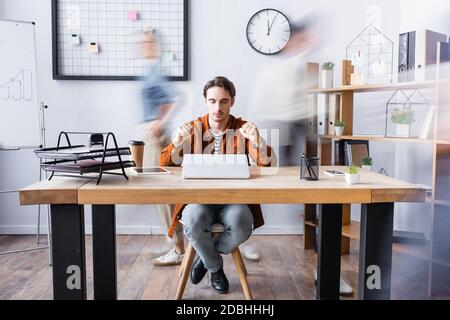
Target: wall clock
268, 31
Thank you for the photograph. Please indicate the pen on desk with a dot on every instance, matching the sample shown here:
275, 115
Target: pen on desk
309, 167
307, 164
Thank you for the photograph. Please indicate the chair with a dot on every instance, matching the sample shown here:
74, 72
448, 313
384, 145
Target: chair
186, 266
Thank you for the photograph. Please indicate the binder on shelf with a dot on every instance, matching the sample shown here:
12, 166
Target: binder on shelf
417, 51
77, 160
333, 111
338, 157
411, 56
443, 52
403, 57
426, 53
322, 114
354, 151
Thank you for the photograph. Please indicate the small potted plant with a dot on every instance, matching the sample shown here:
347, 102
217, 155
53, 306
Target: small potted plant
403, 120
367, 163
352, 176
327, 74
339, 127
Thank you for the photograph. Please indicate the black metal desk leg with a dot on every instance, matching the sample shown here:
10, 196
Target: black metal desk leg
375, 251
104, 252
69, 262
329, 251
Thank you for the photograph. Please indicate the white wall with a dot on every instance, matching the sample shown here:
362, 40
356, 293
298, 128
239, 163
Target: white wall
218, 46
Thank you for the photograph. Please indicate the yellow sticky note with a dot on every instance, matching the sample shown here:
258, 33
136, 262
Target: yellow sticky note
93, 47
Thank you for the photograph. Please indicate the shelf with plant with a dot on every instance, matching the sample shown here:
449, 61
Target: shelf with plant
339, 127
327, 75
367, 163
403, 118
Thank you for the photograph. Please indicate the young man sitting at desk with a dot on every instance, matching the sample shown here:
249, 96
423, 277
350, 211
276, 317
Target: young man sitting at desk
217, 132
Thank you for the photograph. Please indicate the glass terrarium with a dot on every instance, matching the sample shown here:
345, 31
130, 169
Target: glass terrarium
371, 54
408, 115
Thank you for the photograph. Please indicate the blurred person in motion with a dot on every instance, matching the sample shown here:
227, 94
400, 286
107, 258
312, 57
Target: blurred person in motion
279, 99
280, 93
158, 101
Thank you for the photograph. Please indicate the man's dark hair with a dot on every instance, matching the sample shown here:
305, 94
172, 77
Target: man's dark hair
221, 82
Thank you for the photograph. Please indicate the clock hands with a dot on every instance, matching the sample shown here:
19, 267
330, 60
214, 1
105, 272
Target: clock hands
256, 28
270, 28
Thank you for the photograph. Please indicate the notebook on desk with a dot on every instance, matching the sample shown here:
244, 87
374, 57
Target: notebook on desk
213, 166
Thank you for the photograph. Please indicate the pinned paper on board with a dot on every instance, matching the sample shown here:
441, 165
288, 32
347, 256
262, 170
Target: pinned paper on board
357, 78
75, 39
358, 59
133, 15
169, 56
378, 67
147, 28
93, 47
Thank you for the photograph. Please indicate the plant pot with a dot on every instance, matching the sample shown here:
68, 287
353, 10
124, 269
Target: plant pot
327, 79
402, 130
367, 168
351, 178
339, 131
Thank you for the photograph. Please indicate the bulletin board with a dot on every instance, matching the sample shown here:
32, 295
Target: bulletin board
97, 39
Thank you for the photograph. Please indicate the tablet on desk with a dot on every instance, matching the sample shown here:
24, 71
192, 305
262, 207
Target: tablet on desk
333, 173
151, 170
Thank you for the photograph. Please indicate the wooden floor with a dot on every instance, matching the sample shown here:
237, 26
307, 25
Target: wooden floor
284, 272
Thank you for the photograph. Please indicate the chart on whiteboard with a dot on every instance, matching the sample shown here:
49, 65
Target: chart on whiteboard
19, 103
18, 87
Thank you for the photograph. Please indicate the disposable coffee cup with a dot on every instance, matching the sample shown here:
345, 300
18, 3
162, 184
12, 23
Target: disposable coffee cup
137, 152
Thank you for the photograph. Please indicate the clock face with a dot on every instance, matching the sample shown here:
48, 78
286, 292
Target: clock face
268, 31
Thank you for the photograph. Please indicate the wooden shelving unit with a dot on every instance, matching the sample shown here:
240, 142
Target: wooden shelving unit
418, 251
384, 139
380, 87
437, 252
351, 230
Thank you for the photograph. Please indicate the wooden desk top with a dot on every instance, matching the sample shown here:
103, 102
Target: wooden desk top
266, 185
59, 190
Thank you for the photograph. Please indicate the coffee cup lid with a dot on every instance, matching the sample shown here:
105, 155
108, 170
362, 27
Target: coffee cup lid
136, 143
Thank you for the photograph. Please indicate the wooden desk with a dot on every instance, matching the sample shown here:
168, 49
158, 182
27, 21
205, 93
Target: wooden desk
376, 193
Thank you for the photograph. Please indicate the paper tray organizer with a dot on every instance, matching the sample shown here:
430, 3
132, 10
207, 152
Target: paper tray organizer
77, 160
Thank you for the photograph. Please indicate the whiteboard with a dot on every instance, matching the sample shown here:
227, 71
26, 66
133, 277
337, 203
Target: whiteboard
19, 103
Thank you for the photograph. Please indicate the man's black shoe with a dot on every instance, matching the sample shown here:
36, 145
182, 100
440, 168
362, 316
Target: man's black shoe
198, 270
219, 281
